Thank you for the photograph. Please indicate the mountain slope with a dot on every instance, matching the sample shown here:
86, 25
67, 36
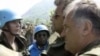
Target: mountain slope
40, 10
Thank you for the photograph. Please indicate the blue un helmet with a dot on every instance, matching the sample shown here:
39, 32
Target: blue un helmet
7, 15
39, 28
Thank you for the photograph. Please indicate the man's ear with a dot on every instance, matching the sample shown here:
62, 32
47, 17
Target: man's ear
87, 27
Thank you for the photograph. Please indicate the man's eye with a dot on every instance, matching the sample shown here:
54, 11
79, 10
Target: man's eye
56, 16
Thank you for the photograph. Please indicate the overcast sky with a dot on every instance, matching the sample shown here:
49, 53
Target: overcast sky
18, 6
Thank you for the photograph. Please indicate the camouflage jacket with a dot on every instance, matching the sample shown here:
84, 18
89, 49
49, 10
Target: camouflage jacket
57, 49
92, 49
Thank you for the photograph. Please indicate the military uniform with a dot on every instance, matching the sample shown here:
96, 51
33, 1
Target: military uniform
57, 49
20, 41
93, 49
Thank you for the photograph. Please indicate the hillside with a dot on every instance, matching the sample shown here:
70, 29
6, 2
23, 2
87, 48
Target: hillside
41, 10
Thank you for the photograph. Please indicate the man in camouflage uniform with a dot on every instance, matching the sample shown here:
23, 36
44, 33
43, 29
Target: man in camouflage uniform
82, 28
57, 48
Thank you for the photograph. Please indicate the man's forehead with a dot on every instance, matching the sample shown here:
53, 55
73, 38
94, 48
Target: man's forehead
68, 18
59, 10
68, 15
42, 32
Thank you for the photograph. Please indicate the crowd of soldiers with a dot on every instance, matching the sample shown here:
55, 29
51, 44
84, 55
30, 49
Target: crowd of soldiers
77, 23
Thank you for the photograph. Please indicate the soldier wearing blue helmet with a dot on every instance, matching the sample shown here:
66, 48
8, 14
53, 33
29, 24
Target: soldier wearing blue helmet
41, 35
11, 43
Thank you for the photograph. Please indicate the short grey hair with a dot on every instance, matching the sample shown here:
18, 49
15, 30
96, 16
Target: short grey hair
76, 3
88, 9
